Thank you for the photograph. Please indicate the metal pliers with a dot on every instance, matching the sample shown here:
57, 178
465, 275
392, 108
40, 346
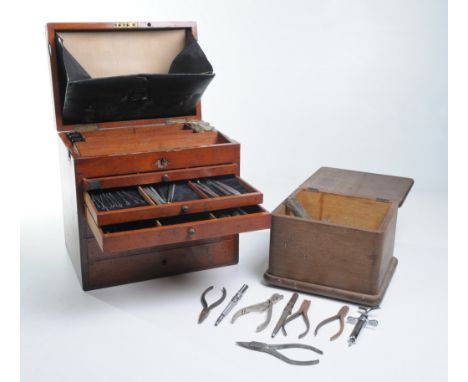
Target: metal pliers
341, 315
303, 311
273, 350
206, 308
261, 307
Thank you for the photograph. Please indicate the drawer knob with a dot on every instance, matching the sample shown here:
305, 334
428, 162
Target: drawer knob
184, 209
165, 178
162, 163
191, 231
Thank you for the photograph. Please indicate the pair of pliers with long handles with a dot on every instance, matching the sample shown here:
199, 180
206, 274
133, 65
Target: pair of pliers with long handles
273, 350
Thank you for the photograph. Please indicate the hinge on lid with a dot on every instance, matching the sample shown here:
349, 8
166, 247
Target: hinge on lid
174, 121
382, 200
75, 136
199, 126
313, 189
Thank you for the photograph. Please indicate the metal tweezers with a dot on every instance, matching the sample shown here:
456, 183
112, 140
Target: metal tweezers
262, 307
273, 350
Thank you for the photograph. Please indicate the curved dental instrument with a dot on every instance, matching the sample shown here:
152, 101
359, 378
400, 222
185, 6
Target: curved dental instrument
340, 316
261, 307
206, 308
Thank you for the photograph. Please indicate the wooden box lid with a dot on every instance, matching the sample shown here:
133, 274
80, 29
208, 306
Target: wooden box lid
126, 73
361, 184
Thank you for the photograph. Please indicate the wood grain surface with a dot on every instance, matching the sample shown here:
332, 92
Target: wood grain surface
345, 250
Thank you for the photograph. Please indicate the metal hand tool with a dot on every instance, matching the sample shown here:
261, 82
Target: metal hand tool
207, 190
262, 307
296, 208
171, 193
360, 322
286, 312
216, 187
151, 191
224, 188
232, 304
273, 350
206, 308
116, 199
125, 198
341, 315
228, 188
303, 310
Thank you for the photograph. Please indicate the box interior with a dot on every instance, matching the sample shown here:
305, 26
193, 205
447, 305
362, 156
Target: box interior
113, 76
342, 209
143, 139
107, 54
137, 196
181, 219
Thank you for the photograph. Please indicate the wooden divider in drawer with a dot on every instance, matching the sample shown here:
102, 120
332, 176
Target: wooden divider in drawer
169, 230
164, 199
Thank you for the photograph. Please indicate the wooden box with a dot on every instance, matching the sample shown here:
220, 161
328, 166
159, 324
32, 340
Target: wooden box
121, 131
345, 251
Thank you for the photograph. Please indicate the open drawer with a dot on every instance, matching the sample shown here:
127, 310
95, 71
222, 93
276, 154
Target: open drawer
169, 230
145, 196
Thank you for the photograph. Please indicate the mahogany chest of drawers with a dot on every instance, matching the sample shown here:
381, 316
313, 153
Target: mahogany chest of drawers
128, 113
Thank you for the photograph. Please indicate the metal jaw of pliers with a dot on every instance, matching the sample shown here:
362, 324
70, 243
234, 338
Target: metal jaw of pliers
273, 350
206, 308
263, 306
303, 311
340, 316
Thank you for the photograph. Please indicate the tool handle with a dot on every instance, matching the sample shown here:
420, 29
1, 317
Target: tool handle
239, 294
232, 304
355, 333
296, 346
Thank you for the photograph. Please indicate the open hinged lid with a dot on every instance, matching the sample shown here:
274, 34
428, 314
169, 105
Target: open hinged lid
360, 184
121, 74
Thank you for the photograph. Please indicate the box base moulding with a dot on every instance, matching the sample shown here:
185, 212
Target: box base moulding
335, 293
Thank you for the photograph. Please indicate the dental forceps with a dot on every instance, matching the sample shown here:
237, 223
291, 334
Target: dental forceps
261, 307
207, 308
302, 311
340, 316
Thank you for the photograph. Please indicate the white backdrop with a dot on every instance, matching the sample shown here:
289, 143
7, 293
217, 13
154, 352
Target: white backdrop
301, 84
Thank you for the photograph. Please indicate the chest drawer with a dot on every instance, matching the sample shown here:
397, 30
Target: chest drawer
121, 199
163, 159
167, 260
170, 230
